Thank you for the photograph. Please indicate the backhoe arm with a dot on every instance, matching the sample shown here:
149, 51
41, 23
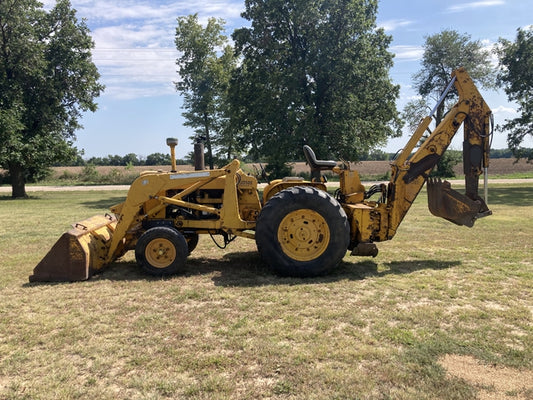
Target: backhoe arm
411, 171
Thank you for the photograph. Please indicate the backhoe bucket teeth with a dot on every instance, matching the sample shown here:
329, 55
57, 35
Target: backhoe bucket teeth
78, 253
453, 206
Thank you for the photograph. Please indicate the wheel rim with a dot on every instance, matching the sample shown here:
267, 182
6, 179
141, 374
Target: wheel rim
160, 253
303, 235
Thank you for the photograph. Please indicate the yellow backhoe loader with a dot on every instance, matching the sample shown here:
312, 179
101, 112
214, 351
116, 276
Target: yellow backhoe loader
299, 228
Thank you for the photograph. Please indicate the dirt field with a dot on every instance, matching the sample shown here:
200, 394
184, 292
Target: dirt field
498, 166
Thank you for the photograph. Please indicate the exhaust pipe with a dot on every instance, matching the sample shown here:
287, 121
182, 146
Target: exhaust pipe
199, 160
172, 143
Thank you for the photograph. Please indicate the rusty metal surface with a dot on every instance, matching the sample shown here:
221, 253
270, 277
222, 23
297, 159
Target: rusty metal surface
78, 253
451, 205
66, 261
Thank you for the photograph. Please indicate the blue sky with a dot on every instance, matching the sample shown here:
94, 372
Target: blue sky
135, 55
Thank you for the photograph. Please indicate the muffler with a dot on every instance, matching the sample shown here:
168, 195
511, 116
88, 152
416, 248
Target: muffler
78, 253
453, 206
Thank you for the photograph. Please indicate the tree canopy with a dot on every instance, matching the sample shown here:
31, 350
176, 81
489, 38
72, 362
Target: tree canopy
443, 53
205, 76
47, 79
516, 73
313, 72
447, 51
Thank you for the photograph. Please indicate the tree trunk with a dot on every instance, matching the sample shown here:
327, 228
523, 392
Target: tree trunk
208, 142
440, 113
18, 183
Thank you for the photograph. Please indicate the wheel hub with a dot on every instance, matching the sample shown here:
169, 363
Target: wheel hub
303, 235
160, 252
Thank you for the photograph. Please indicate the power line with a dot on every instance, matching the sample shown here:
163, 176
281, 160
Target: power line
158, 49
131, 60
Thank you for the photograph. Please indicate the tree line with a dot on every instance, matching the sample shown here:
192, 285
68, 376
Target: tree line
302, 72
129, 159
154, 159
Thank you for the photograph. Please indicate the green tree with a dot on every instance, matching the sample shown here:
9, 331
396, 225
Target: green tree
516, 73
47, 80
443, 53
205, 67
130, 159
158, 159
314, 72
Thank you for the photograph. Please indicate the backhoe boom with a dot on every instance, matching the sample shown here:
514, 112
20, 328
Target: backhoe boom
411, 170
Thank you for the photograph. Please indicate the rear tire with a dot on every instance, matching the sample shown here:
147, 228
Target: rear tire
161, 251
302, 232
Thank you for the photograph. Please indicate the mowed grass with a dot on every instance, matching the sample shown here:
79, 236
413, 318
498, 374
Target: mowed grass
226, 328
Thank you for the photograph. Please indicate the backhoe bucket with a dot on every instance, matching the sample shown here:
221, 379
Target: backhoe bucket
453, 206
78, 253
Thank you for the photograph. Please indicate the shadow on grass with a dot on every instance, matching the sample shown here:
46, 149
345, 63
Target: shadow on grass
104, 203
368, 269
519, 196
246, 269
30, 197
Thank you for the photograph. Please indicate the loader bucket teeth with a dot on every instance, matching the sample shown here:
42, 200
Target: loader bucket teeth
453, 206
78, 253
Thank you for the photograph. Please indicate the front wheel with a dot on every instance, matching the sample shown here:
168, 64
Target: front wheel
161, 251
302, 232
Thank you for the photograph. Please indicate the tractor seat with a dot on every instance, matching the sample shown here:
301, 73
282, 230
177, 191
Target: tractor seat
317, 165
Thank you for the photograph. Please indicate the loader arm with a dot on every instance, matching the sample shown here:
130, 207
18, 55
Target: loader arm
152, 188
411, 170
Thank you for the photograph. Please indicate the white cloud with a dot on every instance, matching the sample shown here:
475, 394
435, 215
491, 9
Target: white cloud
135, 60
393, 24
48, 4
132, 36
475, 4
504, 110
407, 53
120, 10
134, 40
121, 91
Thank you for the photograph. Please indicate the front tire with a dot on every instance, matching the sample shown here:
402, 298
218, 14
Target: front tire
161, 251
192, 239
302, 232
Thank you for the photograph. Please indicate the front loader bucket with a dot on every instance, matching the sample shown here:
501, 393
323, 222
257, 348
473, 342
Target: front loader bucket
78, 253
453, 206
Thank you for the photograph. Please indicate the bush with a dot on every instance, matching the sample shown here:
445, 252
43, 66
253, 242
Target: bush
444, 168
278, 170
89, 174
67, 176
33, 175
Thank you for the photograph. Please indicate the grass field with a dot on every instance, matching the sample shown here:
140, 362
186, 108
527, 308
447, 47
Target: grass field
443, 312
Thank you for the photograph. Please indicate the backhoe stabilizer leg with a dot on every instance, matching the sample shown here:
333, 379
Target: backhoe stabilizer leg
453, 206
